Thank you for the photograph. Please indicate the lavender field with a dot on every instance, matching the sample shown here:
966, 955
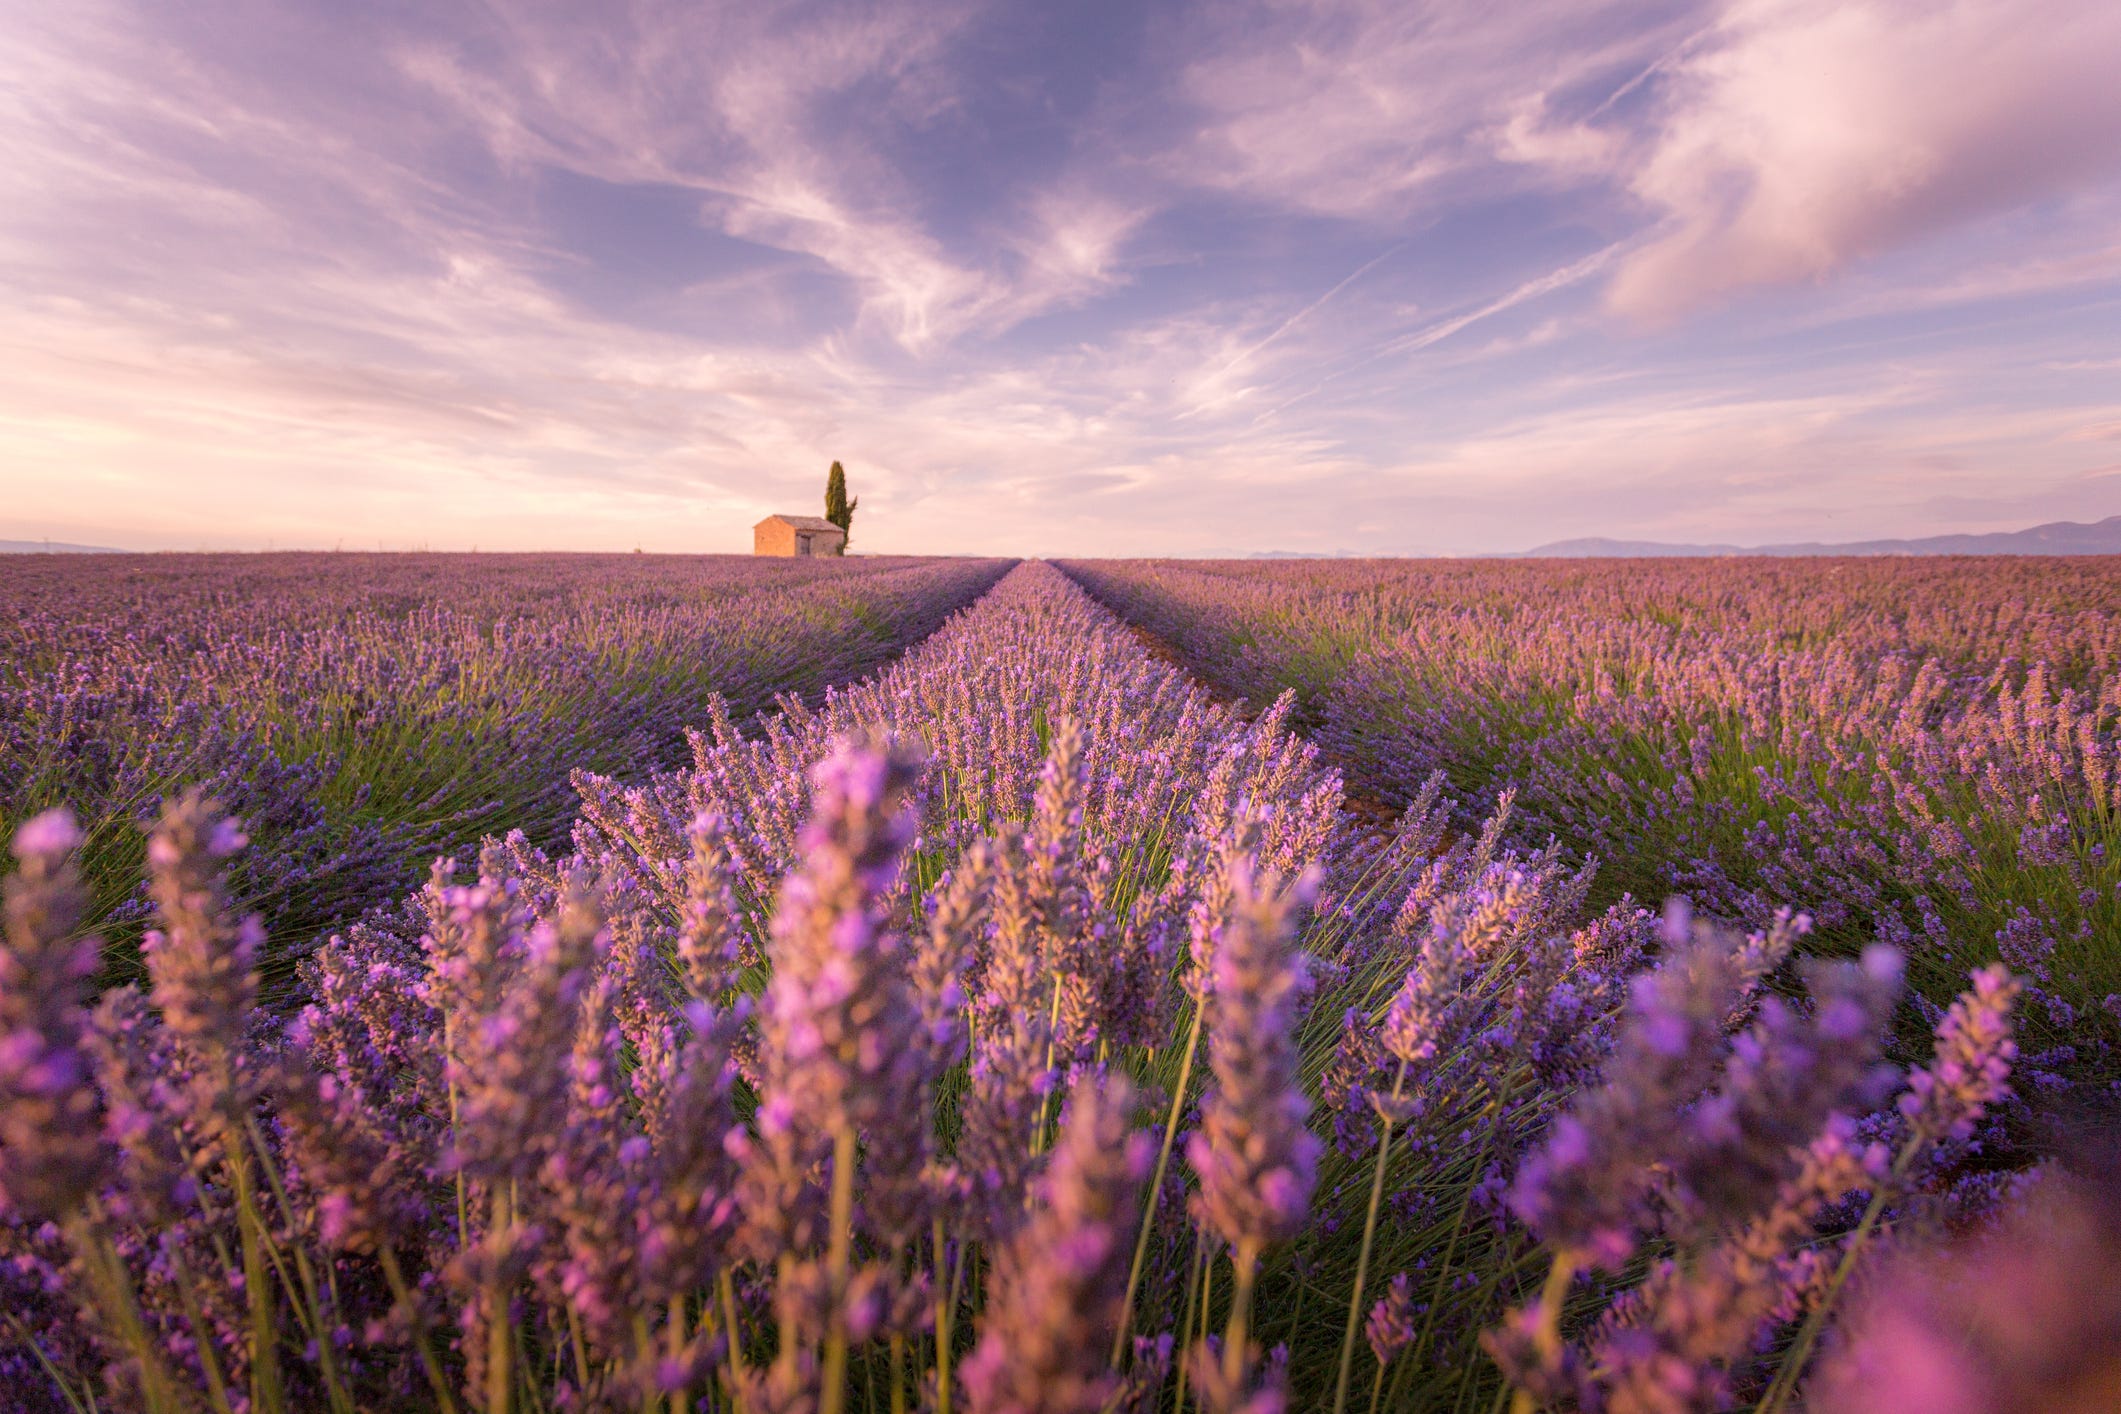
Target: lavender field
363, 713
1920, 752
1025, 1027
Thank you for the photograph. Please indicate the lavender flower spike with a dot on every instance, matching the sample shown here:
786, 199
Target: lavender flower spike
836, 976
201, 968
1059, 1282
1256, 1159
1390, 1328
1585, 1190
1972, 1064
843, 1055
50, 1156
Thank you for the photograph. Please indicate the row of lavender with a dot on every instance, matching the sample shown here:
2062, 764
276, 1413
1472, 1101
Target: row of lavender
363, 713
1055, 1044
1924, 751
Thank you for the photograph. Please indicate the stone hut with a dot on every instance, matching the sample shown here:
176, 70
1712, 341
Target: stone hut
796, 535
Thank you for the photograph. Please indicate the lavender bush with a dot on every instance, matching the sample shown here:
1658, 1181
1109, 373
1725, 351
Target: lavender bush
1014, 1030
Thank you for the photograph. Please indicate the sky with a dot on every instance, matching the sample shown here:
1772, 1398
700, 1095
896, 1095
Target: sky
1084, 278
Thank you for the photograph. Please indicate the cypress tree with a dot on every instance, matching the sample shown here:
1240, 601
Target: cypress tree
838, 509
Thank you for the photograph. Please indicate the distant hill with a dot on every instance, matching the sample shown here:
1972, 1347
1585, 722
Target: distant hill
1303, 555
54, 547
2061, 537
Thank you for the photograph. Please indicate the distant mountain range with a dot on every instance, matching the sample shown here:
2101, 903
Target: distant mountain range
2061, 537
54, 547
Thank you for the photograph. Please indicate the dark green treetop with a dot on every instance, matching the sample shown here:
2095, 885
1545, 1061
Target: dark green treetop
838, 509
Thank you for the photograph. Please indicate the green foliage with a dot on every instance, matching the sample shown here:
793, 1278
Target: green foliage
838, 509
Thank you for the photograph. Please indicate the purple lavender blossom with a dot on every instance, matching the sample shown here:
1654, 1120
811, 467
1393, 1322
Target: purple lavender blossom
1068, 938
1788, 1072
1676, 1341
592, 1182
1059, 1280
1946, 1099
1350, 1083
839, 1018
1390, 1326
1255, 1157
683, 1080
1585, 1189
711, 939
51, 1152
945, 953
201, 968
1012, 1070
508, 1068
366, 1183
843, 1057
2020, 1315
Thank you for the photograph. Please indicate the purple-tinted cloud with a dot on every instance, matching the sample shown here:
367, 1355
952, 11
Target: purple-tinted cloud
1801, 135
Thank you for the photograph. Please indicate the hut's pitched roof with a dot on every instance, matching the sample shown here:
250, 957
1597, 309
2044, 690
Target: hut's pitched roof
802, 523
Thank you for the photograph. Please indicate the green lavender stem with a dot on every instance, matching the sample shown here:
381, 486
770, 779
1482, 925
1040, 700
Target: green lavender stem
1362, 1262
838, 1257
1245, 1262
1156, 1186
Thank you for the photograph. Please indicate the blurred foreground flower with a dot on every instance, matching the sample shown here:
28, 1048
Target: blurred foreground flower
2024, 1315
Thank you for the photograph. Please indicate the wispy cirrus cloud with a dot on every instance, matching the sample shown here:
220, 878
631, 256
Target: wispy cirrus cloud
1365, 109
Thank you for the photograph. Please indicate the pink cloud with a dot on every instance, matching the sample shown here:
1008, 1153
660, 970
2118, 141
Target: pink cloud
1805, 135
